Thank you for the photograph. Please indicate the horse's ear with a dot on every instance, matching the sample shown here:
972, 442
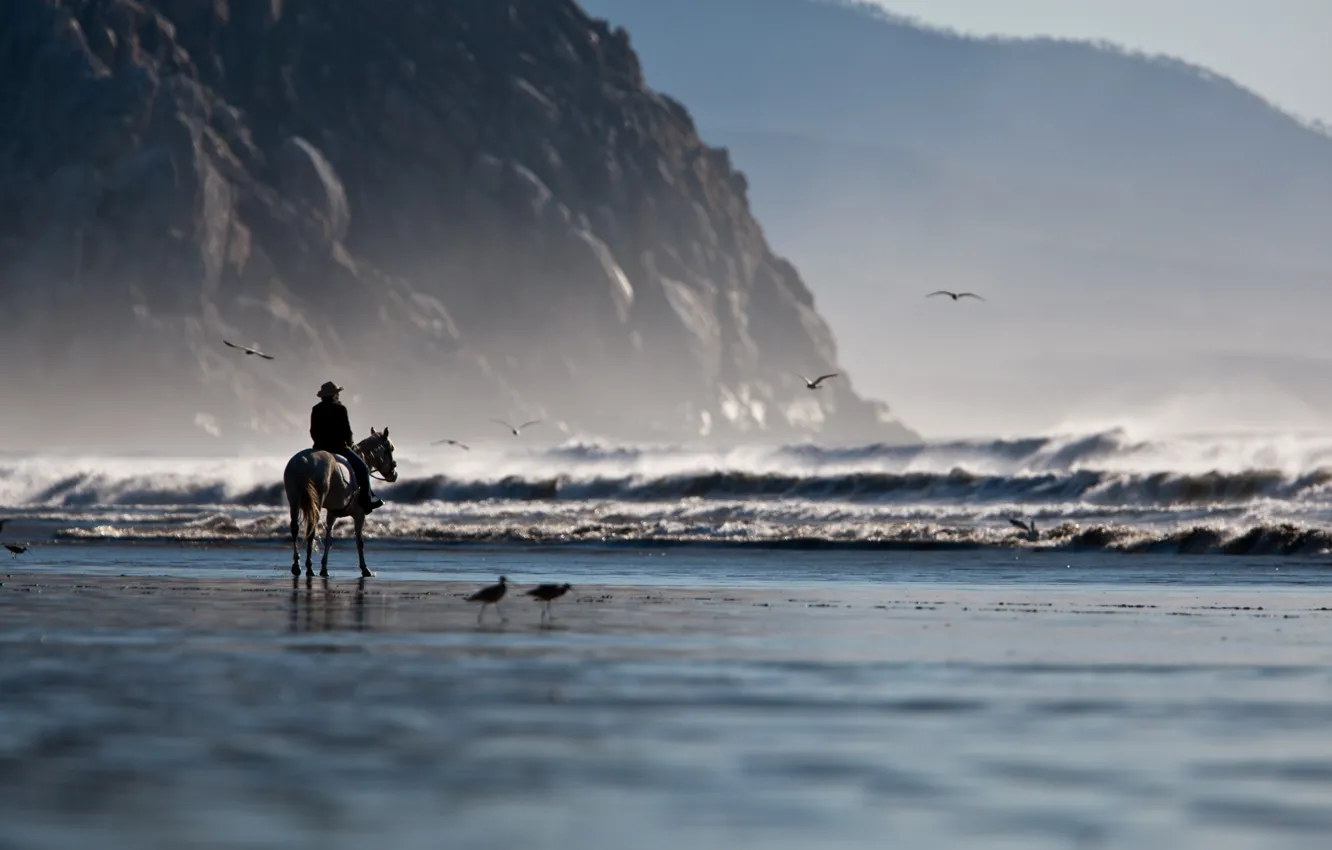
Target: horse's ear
385, 430
372, 431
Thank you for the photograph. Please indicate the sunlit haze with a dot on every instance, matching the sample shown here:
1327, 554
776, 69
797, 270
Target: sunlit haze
1146, 232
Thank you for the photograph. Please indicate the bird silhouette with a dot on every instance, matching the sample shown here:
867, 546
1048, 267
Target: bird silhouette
248, 350
1028, 527
490, 596
515, 430
546, 594
955, 295
452, 443
814, 384
16, 549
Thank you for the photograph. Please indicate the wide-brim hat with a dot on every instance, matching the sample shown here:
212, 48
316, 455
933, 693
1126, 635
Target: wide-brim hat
329, 389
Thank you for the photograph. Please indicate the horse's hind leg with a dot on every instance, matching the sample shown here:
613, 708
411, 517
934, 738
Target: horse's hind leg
310, 534
295, 542
359, 519
328, 544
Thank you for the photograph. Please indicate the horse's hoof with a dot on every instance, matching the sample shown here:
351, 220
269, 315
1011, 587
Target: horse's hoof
296, 571
368, 573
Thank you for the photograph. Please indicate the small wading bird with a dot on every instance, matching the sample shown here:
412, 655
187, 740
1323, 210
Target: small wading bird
515, 430
16, 549
814, 384
546, 594
1028, 527
955, 295
452, 443
490, 596
248, 350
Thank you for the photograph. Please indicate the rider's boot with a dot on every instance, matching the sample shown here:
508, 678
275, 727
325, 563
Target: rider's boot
370, 502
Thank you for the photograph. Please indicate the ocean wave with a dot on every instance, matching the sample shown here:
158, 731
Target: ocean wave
1098, 488
1105, 469
1288, 539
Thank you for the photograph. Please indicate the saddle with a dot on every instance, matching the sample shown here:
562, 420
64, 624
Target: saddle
353, 487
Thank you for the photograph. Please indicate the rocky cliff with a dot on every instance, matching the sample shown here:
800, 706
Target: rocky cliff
458, 210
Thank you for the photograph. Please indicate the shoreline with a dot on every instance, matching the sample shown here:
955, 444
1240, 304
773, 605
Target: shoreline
1056, 624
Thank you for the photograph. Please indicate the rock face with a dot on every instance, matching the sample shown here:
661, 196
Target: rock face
458, 210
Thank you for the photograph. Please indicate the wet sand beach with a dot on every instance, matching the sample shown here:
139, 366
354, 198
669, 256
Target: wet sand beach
141, 711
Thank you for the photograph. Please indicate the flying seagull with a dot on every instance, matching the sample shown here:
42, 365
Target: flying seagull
517, 429
490, 596
1028, 527
248, 350
546, 594
814, 384
452, 443
955, 295
16, 549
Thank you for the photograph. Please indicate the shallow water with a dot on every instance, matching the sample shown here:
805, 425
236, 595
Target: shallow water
711, 698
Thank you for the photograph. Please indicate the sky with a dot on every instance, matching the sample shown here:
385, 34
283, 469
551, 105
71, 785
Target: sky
1278, 48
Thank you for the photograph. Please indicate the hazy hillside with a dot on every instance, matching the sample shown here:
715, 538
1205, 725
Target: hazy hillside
1112, 205
460, 211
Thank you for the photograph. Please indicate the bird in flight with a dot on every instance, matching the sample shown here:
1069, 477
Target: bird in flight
16, 549
248, 350
814, 384
465, 448
515, 430
955, 295
1028, 527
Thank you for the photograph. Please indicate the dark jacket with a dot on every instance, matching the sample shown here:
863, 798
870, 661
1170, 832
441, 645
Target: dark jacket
330, 429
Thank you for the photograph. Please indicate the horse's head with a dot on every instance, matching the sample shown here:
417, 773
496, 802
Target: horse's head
377, 451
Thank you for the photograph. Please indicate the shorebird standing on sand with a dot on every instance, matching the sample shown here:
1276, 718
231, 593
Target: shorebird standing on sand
955, 295
517, 429
546, 594
814, 384
248, 350
490, 596
1028, 527
16, 549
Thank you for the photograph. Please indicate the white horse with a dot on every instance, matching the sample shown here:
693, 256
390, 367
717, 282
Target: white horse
318, 480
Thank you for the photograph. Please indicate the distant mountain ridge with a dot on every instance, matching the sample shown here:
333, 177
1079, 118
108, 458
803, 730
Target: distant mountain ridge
1109, 201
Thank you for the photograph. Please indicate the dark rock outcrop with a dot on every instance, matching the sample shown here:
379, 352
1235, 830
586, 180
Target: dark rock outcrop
459, 210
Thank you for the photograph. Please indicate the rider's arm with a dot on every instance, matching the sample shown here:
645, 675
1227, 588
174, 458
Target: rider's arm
344, 426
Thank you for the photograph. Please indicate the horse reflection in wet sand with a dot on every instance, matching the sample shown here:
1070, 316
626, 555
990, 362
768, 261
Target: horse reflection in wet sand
320, 481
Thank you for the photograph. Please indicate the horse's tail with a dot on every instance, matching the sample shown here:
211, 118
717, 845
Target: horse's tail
310, 510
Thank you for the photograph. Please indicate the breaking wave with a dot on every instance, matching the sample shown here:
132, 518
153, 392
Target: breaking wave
1086, 486
1240, 494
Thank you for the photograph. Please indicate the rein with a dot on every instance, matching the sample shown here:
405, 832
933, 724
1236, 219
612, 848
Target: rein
378, 460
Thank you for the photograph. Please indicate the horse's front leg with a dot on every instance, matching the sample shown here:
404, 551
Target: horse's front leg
359, 519
328, 544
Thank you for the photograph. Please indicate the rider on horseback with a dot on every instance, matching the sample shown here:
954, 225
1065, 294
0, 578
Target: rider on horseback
330, 429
